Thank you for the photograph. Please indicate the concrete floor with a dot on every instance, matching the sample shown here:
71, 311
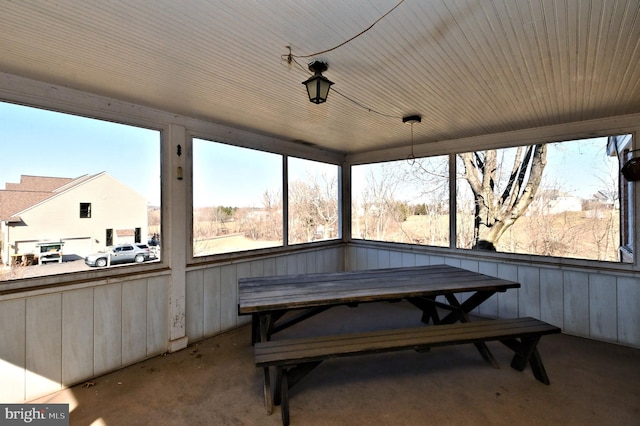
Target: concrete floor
215, 382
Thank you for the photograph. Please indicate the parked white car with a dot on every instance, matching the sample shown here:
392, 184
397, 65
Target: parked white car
122, 253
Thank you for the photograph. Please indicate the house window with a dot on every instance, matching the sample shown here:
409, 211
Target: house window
138, 235
85, 210
74, 187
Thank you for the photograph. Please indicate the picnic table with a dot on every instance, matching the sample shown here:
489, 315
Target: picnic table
278, 302
269, 299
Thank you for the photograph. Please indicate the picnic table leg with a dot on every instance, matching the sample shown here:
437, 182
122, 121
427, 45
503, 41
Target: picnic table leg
284, 396
526, 352
464, 317
268, 402
265, 327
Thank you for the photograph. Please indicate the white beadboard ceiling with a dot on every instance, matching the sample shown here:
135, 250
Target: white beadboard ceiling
469, 67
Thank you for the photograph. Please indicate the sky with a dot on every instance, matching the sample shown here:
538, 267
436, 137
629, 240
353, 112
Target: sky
45, 143
244, 175
38, 142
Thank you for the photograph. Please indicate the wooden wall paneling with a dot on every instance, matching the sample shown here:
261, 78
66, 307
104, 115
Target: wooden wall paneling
134, 321
281, 265
384, 260
552, 296
603, 305
395, 259
157, 315
529, 293
107, 323
269, 267
228, 296
292, 264
408, 259
212, 301
242, 270
576, 303
508, 301
13, 350
77, 335
194, 300
43, 345
628, 311
490, 307
423, 259
311, 262
255, 268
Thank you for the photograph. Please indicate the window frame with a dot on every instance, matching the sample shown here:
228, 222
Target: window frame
285, 151
535, 136
107, 111
85, 210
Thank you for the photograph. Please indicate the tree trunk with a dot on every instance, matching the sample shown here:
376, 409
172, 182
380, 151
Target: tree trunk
497, 210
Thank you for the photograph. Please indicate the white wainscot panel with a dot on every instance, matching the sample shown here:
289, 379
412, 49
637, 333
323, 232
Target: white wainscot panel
12, 350
77, 335
628, 311
228, 296
489, 307
134, 321
108, 328
44, 343
195, 305
576, 303
529, 294
552, 296
602, 307
508, 301
212, 301
157, 315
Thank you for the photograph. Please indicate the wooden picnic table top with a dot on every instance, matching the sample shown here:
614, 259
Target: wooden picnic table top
277, 293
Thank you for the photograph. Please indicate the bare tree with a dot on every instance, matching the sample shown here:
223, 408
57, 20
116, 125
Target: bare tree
499, 202
378, 204
313, 208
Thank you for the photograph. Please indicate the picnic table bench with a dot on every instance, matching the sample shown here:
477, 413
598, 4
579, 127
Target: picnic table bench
294, 358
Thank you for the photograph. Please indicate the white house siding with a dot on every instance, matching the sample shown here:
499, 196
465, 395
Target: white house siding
113, 205
62, 337
586, 303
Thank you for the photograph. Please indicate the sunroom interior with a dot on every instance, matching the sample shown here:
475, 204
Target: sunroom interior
478, 75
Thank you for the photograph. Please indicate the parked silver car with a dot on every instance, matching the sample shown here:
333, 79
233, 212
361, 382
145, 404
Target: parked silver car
122, 253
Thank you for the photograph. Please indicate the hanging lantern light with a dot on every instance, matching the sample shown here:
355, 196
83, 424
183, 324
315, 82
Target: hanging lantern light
318, 85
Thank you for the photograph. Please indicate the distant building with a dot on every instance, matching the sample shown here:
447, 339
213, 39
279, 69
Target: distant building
554, 202
87, 214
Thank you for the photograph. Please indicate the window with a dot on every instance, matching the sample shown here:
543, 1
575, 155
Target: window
73, 171
137, 235
85, 210
621, 147
313, 201
237, 198
402, 201
556, 199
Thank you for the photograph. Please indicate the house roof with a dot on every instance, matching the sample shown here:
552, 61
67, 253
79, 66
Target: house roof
17, 197
469, 67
